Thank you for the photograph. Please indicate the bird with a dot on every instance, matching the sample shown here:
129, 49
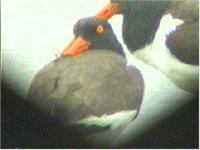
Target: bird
163, 34
90, 87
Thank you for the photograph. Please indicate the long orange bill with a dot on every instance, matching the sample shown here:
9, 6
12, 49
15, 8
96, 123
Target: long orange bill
76, 47
108, 11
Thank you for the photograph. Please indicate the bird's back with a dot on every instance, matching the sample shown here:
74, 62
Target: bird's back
88, 85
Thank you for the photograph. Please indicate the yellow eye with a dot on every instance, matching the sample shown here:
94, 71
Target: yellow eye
100, 29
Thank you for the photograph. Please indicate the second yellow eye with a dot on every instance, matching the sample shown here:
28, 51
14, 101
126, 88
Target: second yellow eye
100, 29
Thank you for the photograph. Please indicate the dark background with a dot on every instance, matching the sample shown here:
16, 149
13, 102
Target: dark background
24, 126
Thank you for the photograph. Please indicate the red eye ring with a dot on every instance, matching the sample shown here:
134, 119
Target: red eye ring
100, 29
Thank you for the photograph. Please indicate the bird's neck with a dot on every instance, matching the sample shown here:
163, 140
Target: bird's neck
140, 24
115, 45
119, 49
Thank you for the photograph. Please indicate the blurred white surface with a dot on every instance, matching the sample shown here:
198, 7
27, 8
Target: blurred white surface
34, 31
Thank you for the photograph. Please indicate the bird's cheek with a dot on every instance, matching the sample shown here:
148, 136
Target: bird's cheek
76, 47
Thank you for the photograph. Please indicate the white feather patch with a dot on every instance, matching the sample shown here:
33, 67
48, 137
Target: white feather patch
115, 120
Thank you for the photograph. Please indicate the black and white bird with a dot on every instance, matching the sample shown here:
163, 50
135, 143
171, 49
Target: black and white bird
90, 86
163, 34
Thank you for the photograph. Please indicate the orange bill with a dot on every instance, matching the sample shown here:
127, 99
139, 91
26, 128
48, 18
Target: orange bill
76, 47
108, 11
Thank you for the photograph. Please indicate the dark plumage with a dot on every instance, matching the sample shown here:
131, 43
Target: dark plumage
184, 43
97, 82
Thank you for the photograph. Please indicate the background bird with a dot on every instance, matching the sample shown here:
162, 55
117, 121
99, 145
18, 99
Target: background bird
163, 34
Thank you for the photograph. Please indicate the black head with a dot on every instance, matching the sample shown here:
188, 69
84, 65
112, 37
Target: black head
146, 7
97, 33
124, 5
